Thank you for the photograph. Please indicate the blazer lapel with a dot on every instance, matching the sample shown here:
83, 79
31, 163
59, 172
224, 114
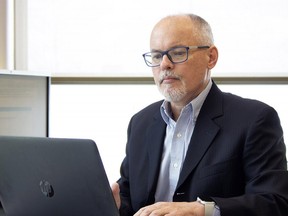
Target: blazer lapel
204, 132
155, 140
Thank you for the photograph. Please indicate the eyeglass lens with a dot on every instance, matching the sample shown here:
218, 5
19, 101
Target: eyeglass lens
176, 55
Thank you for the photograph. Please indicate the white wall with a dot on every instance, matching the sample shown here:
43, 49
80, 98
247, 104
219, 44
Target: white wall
108, 37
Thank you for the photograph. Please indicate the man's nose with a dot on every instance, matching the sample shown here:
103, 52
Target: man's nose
166, 63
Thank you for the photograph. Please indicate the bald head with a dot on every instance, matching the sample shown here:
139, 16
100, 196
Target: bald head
186, 26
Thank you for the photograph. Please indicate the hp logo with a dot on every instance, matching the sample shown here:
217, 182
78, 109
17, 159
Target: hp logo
46, 188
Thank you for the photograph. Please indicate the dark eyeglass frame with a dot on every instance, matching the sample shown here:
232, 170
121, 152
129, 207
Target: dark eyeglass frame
166, 52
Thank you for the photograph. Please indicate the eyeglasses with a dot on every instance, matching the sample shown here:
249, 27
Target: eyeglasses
175, 55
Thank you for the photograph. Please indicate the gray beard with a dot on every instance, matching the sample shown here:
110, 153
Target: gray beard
173, 95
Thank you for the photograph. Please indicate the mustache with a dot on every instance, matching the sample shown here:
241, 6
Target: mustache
167, 74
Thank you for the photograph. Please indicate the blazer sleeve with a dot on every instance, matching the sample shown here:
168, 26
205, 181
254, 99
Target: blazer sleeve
126, 206
265, 168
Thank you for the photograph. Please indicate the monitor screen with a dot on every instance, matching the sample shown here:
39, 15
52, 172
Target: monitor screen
24, 105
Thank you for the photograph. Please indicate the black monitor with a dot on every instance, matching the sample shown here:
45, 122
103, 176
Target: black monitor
24, 104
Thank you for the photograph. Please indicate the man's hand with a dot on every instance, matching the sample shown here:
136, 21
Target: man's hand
116, 193
173, 209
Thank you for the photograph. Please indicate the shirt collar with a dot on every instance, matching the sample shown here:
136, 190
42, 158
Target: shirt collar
196, 104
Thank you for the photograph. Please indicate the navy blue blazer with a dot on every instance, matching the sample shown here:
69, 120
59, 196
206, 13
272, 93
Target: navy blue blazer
236, 157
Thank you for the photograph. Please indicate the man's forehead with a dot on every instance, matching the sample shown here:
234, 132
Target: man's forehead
167, 37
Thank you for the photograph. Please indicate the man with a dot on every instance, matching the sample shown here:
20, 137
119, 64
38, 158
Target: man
200, 144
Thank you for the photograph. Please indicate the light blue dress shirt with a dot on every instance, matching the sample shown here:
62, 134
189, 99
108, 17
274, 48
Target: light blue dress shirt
176, 143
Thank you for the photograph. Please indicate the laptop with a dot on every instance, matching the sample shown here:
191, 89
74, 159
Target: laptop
53, 177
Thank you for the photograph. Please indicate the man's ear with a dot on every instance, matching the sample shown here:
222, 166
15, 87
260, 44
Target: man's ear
213, 57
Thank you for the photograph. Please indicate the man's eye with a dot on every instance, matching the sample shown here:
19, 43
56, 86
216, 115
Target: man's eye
178, 53
156, 56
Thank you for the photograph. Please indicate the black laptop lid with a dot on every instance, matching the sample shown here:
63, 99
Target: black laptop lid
53, 176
